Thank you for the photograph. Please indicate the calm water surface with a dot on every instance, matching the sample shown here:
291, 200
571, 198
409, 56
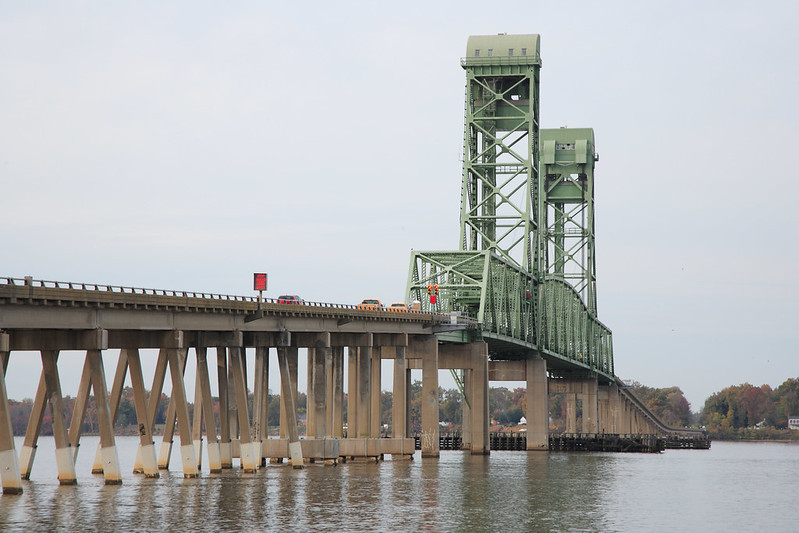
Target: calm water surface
732, 487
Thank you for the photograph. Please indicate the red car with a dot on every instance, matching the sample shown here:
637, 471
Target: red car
290, 299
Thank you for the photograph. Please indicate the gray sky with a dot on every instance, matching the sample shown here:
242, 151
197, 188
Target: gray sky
186, 146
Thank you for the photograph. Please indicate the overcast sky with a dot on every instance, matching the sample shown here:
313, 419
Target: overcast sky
188, 145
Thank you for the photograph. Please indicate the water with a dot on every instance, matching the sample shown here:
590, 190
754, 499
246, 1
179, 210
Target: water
732, 487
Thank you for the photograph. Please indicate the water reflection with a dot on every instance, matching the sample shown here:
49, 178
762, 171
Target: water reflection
507, 491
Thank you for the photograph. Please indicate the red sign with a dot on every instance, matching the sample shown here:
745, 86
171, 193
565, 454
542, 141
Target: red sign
433, 299
259, 282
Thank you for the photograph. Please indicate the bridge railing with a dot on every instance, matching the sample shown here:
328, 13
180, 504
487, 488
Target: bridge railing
121, 289
49, 291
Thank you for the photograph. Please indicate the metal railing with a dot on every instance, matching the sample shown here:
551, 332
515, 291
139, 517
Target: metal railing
107, 292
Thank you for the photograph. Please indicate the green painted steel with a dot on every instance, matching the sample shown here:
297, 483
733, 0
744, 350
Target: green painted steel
567, 166
500, 196
526, 266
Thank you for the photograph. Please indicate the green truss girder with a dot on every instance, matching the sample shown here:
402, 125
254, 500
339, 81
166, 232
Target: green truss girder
525, 270
512, 307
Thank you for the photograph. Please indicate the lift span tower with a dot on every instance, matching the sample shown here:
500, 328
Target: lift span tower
525, 267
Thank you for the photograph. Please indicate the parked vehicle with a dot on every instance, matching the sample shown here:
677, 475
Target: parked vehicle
290, 299
370, 303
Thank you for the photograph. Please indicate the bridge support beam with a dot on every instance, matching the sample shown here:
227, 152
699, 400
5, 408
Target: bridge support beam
338, 391
181, 410
225, 445
9, 465
142, 454
608, 408
399, 399
146, 450
376, 380
584, 390
116, 396
110, 459
289, 393
63, 451
352, 391
364, 388
480, 444
214, 455
165, 454
466, 438
537, 405
261, 402
426, 348
28, 451
246, 449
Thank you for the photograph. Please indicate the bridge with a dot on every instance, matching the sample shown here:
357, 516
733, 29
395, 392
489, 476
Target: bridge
516, 302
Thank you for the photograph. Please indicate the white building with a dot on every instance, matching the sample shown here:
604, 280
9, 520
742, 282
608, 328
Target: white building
793, 422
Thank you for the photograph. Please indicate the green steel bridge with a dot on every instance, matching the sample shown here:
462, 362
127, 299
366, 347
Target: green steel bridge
525, 269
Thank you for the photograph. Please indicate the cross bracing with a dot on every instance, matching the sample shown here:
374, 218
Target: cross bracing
526, 265
516, 313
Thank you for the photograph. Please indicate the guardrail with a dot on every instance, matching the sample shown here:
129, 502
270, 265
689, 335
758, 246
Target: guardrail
107, 292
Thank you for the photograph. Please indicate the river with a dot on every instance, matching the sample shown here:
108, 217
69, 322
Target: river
731, 487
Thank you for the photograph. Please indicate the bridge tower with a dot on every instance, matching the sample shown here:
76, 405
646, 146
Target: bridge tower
568, 156
500, 195
524, 269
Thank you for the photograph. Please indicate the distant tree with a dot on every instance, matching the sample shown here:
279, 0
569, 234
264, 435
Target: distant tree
451, 407
668, 404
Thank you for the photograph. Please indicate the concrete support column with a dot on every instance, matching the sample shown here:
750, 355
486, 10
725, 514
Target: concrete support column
79, 414
288, 398
613, 409
479, 400
364, 397
116, 397
152, 407
571, 412
165, 453
146, 444
399, 399
338, 392
261, 408
110, 459
197, 422
225, 446
602, 410
330, 402
9, 465
466, 435
352, 392
182, 411
590, 406
247, 451
63, 451
232, 417
310, 397
321, 355
427, 346
28, 451
376, 380
214, 455
537, 405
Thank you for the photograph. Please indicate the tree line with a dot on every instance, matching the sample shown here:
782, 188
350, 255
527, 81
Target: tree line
749, 412
736, 412
505, 407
